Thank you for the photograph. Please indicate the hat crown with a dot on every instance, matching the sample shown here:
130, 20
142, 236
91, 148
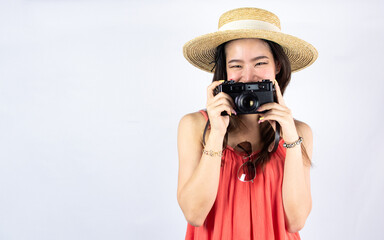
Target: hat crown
249, 14
248, 23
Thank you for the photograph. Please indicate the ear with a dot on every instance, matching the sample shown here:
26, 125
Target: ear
278, 67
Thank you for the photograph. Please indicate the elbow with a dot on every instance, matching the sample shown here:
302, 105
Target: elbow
296, 216
195, 221
194, 218
295, 226
192, 214
295, 223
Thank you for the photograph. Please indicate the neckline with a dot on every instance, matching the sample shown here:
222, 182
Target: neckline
241, 153
245, 154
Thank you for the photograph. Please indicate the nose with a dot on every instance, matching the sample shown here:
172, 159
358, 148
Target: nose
249, 75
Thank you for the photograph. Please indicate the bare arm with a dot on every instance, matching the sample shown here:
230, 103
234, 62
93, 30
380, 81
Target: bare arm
199, 173
296, 191
296, 188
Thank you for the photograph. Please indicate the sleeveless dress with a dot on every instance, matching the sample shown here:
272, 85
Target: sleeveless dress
246, 210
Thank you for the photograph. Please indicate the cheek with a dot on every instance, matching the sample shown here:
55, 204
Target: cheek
267, 74
233, 75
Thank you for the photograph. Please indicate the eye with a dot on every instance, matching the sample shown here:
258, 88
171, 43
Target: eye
260, 63
235, 66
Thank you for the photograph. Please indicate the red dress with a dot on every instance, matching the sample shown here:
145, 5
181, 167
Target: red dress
246, 210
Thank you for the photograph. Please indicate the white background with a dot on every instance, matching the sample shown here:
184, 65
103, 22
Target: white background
91, 93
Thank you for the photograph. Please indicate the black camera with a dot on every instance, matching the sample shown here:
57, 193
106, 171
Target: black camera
248, 96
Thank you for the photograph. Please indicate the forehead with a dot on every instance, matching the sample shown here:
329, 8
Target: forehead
247, 46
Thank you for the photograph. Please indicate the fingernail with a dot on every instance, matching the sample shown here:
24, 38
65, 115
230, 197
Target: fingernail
234, 112
222, 81
260, 120
230, 114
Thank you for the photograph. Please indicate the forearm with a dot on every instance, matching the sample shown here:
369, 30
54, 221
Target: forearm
296, 189
198, 195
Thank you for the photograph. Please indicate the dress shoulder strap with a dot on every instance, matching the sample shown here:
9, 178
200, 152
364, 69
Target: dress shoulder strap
205, 114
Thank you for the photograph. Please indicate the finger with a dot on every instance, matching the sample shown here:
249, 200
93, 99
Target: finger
226, 101
212, 86
273, 105
279, 96
274, 113
223, 96
216, 110
222, 102
282, 120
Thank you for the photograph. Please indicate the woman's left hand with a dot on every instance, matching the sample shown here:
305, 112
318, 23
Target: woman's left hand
282, 114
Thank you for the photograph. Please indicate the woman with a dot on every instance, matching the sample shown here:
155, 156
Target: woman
233, 183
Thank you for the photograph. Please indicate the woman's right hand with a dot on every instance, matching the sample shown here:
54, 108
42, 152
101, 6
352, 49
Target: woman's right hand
222, 102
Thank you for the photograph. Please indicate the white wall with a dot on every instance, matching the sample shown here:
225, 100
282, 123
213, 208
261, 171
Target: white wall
91, 93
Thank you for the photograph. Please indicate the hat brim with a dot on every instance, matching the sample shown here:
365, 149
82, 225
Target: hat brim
200, 51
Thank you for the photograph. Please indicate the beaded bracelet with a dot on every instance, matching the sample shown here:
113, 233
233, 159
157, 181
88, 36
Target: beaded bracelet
212, 153
291, 145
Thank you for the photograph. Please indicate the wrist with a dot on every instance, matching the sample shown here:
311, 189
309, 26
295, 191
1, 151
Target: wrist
217, 134
215, 141
290, 133
293, 144
290, 137
212, 153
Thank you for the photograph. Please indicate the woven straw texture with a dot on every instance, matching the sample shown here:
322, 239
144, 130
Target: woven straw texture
200, 51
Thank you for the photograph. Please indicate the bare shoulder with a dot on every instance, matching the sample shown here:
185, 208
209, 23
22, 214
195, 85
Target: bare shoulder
193, 120
303, 129
190, 145
193, 124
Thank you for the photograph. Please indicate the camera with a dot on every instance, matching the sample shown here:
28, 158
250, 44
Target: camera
248, 96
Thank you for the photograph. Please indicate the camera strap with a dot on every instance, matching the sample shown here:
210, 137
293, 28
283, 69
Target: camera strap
205, 131
277, 136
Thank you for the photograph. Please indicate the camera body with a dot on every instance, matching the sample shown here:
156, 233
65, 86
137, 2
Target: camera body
248, 96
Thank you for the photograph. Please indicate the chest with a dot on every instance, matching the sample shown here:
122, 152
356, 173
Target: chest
247, 141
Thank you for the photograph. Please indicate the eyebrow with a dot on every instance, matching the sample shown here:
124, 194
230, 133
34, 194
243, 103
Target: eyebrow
253, 59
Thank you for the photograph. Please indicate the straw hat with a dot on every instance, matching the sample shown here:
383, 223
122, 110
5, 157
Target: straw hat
248, 23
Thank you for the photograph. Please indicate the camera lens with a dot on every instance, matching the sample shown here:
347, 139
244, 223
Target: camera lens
247, 102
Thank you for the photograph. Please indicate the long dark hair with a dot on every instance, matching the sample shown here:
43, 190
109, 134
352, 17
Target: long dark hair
283, 78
